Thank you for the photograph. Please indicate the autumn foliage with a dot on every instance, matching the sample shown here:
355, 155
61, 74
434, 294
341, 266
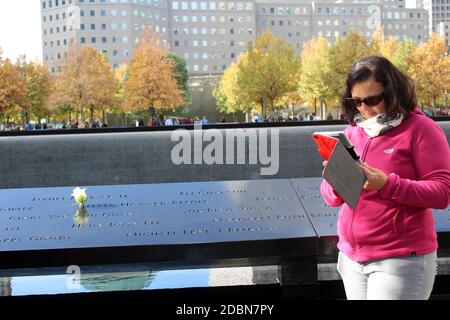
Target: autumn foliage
151, 82
316, 77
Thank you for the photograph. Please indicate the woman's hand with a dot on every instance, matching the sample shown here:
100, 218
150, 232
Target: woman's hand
324, 165
376, 179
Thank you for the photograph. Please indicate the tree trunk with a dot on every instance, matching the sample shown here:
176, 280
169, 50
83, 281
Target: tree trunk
91, 118
315, 106
446, 99
324, 112
23, 119
271, 106
264, 109
82, 124
103, 116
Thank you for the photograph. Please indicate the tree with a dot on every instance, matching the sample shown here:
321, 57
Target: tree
430, 69
38, 81
229, 97
12, 88
121, 75
403, 58
343, 55
225, 93
316, 76
58, 103
181, 75
87, 81
376, 41
398, 52
151, 83
269, 72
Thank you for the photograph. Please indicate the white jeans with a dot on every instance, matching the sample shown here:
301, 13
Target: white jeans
402, 278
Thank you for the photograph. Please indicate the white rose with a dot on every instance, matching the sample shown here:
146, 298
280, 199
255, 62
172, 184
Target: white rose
79, 195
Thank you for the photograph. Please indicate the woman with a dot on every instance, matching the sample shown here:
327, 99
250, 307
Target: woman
388, 243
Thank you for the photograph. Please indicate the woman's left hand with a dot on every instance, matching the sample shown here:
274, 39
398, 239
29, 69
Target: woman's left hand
376, 179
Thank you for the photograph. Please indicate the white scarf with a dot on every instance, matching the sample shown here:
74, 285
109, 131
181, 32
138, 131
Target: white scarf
379, 124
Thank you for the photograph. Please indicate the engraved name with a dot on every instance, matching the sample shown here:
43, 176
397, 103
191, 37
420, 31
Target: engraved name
10, 229
7, 240
260, 218
227, 209
36, 199
49, 238
151, 234
104, 225
16, 209
315, 196
163, 203
63, 198
117, 214
323, 215
30, 218
252, 229
202, 193
270, 198
308, 188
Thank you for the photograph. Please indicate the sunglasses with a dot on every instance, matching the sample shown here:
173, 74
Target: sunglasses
369, 101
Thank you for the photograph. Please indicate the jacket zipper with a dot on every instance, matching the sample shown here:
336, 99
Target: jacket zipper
363, 157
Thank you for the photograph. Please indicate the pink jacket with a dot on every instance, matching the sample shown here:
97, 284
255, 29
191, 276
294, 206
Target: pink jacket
396, 220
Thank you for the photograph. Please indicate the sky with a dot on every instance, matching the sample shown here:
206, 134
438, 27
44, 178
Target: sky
20, 28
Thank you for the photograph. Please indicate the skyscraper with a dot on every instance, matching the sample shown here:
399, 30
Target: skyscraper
439, 16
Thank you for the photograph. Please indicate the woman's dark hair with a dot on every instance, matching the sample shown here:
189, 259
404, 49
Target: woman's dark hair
399, 95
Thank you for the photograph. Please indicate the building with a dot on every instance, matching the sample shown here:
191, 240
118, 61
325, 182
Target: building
111, 26
211, 34
299, 21
439, 16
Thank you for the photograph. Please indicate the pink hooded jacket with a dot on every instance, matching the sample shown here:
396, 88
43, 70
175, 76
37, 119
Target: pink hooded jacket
396, 220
